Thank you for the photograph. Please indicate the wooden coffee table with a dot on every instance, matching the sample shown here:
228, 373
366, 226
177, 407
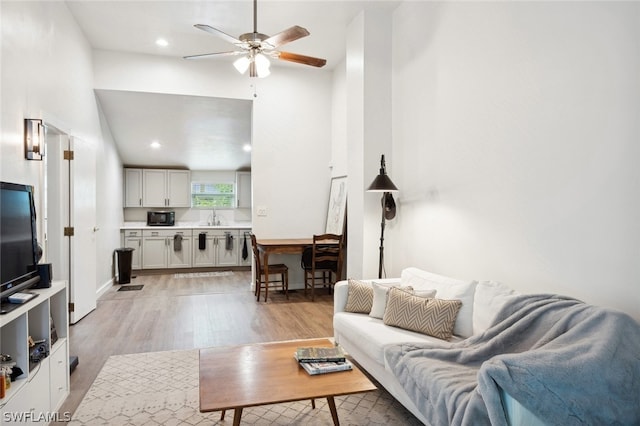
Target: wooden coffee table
267, 373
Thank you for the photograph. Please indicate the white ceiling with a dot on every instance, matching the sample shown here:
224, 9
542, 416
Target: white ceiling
190, 124
195, 132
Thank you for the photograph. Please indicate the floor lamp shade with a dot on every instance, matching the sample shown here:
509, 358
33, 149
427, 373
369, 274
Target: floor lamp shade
382, 182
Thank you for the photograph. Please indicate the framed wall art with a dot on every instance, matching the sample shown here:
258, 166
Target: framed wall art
337, 212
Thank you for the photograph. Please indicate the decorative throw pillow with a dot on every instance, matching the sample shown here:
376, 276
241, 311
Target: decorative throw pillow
448, 288
359, 297
380, 295
435, 317
379, 300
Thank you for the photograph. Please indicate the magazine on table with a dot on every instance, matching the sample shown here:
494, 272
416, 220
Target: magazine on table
320, 354
314, 368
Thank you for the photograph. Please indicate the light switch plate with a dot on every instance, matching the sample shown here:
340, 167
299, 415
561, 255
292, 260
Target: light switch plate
262, 211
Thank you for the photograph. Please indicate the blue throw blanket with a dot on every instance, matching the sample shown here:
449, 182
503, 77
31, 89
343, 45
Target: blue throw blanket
567, 362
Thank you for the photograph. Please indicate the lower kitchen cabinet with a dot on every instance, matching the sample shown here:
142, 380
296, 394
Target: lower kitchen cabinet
133, 239
157, 248
166, 249
215, 248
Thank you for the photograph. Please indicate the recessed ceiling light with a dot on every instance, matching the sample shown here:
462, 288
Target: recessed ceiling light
246, 148
162, 42
155, 145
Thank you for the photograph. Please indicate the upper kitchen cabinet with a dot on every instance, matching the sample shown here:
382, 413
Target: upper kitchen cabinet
178, 188
157, 188
166, 188
243, 190
133, 187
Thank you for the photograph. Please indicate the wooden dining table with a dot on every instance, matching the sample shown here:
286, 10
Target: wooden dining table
280, 246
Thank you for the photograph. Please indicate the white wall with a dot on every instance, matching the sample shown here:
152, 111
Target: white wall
367, 126
516, 129
47, 73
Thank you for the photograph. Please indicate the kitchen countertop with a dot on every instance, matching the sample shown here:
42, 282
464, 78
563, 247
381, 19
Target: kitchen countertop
185, 225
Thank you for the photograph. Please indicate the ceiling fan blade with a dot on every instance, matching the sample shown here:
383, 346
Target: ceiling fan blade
226, 37
302, 59
286, 36
212, 55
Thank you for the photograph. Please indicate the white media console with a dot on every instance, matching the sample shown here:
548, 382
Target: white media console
44, 385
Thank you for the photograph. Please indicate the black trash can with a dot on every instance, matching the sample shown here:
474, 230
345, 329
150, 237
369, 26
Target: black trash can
124, 255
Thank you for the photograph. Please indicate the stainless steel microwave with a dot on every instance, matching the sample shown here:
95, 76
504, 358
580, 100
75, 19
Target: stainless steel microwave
161, 218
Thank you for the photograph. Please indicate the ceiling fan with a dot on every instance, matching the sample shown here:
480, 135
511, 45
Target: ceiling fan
257, 47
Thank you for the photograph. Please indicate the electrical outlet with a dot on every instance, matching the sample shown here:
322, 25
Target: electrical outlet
262, 211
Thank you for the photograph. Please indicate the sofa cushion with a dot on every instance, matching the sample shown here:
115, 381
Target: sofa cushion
359, 298
490, 297
435, 317
371, 335
447, 288
380, 292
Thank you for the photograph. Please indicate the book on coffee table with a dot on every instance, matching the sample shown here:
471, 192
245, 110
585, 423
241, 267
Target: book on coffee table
320, 354
314, 368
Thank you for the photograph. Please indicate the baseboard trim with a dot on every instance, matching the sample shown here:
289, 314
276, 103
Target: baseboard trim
104, 288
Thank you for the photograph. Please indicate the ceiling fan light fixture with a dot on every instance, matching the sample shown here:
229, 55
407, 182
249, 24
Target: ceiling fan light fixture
254, 43
262, 65
242, 64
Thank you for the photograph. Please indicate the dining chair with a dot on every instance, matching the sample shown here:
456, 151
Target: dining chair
323, 266
261, 280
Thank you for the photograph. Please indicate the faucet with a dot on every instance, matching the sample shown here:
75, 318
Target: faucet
211, 220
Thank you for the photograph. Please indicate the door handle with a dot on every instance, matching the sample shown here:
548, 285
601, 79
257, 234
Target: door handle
96, 229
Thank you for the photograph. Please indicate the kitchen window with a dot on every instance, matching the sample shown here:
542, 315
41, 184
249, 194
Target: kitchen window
213, 195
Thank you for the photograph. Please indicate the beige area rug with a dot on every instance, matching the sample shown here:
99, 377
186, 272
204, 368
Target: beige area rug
203, 274
161, 388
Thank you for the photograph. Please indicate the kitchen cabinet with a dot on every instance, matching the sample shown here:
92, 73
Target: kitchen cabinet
133, 187
44, 385
158, 188
160, 249
215, 251
133, 239
243, 190
154, 188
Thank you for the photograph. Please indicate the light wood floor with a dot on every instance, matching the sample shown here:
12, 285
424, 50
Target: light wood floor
184, 313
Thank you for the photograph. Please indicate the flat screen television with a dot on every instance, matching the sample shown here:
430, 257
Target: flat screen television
18, 239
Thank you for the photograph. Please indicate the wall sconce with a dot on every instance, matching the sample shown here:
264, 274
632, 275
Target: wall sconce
33, 139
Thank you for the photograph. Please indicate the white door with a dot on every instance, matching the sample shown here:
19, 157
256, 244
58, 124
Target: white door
82, 288
56, 211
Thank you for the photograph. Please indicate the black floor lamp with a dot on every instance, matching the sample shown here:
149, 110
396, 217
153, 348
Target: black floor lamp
382, 183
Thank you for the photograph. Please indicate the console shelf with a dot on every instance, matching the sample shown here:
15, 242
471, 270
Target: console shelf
44, 385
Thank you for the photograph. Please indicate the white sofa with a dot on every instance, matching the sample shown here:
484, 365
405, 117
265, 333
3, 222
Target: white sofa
365, 337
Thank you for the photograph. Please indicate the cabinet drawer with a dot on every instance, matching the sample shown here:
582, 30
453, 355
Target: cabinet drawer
59, 384
166, 233
133, 233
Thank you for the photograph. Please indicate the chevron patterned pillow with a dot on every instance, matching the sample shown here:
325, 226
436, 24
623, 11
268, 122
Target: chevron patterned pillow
359, 298
435, 317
